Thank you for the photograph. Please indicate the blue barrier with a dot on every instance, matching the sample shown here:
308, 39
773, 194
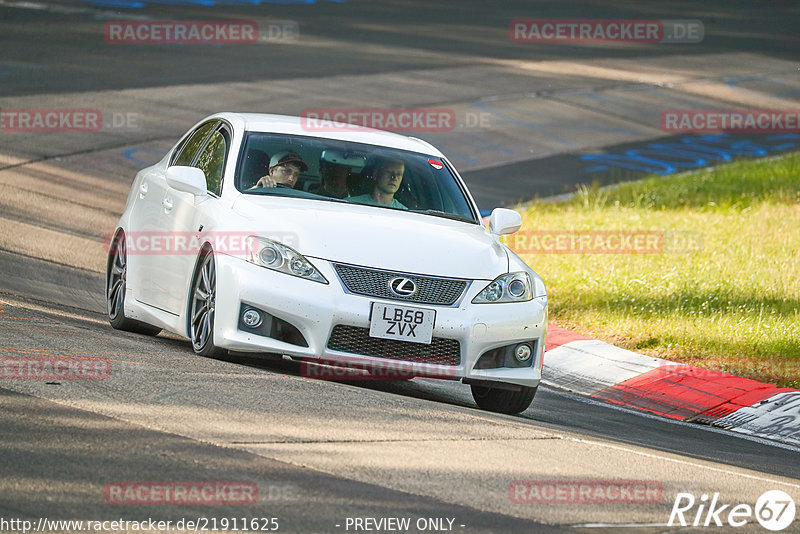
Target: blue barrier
129, 154
689, 152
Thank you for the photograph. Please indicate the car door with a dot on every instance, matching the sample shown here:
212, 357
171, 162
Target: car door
184, 214
152, 225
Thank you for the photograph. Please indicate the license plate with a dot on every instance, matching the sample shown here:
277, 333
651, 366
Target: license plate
402, 323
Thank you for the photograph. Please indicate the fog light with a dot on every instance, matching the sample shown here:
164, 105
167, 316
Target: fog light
522, 353
251, 318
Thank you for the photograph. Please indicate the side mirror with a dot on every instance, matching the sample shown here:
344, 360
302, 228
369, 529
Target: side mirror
187, 179
504, 221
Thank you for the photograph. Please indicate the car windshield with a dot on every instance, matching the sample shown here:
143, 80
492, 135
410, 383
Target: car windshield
341, 171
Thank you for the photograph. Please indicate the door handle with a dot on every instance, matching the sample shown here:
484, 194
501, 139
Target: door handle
167, 203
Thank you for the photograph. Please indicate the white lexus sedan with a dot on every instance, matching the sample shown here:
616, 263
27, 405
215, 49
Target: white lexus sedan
340, 246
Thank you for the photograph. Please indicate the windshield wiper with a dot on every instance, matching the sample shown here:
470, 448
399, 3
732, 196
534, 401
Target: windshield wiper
446, 215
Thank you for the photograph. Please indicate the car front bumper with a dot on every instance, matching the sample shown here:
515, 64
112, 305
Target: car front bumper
315, 309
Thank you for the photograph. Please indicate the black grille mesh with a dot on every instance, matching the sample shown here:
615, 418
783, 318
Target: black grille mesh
375, 283
356, 340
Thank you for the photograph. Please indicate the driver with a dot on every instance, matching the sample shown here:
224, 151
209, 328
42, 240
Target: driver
284, 170
334, 170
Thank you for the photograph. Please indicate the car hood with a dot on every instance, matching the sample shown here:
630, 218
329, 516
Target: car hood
375, 237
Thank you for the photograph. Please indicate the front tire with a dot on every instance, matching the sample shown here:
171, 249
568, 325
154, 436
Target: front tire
116, 283
202, 307
503, 400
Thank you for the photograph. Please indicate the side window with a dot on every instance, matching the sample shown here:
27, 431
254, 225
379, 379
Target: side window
193, 145
212, 162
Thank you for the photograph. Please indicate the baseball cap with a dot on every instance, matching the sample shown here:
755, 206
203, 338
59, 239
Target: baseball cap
286, 156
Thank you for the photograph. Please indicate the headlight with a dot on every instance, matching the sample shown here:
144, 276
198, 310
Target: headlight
279, 257
511, 287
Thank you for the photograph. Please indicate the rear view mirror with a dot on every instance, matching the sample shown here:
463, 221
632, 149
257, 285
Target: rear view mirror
187, 179
504, 221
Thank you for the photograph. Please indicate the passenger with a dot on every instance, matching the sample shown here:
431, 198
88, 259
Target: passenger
334, 171
284, 170
388, 175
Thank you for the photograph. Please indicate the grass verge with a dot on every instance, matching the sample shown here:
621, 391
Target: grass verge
709, 273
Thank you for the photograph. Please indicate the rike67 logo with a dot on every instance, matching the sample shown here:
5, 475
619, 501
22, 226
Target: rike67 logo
774, 510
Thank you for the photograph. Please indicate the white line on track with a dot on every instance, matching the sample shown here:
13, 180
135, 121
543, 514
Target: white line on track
621, 525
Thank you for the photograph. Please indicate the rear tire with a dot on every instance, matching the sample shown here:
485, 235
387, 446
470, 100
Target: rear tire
503, 400
116, 283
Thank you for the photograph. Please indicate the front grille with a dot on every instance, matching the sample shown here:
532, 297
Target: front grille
356, 340
375, 283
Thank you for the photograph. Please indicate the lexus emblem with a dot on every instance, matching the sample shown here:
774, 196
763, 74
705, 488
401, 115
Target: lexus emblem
402, 287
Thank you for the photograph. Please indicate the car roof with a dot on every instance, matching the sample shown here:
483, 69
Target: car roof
287, 124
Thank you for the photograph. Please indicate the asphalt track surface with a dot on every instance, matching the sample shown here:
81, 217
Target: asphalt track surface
321, 451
